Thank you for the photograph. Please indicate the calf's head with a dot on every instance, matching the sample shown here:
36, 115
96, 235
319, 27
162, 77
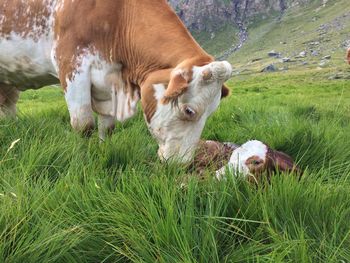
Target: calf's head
177, 105
254, 158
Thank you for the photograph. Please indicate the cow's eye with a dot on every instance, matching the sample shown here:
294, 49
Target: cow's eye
189, 112
256, 162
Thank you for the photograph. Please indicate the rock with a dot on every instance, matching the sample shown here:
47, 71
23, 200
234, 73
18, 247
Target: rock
336, 76
339, 75
323, 63
273, 53
327, 57
269, 68
283, 43
304, 63
302, 54
345, 44
314, 53
316, 43
286, 59
255, 60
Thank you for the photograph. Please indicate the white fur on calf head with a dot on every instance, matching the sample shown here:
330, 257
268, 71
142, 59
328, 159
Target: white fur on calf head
239, 161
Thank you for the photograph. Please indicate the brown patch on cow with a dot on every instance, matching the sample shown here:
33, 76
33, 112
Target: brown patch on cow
149, 103
22, 18
177, 86
113, 28
148, 100
207, 75
225, 91
348, 56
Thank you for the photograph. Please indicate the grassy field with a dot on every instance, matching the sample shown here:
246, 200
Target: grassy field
64, 198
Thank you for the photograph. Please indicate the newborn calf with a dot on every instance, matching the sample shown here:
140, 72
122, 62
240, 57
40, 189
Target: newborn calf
252, 159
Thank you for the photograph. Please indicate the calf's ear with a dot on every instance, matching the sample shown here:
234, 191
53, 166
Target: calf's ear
225, 91
178, 84
285, 163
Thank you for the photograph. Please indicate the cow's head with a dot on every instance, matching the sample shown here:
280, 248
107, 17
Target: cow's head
178, 102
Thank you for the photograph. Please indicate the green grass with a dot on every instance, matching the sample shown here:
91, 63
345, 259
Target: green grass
64, 198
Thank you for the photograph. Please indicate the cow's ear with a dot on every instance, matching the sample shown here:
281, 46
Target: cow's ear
178, 84
225, 91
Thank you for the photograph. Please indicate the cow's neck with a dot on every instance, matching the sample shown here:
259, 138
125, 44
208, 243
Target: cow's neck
159, 42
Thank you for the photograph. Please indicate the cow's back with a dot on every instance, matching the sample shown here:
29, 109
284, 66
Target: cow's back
26, 43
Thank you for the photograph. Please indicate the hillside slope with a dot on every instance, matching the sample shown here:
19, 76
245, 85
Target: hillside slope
322, 33
244, 31
210, 15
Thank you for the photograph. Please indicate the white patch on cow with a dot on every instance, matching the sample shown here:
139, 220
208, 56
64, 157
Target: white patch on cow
59, 5
25, 58
237, 164
177, 135
97, 84
78, 95
110, 96
53, 56
159, 91
2, 18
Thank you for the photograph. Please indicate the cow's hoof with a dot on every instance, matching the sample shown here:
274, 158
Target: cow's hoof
7, 114
88, 131
84, 128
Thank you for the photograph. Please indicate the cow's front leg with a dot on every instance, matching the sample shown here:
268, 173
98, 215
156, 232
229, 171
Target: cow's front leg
106, 125
8, 99
78, 98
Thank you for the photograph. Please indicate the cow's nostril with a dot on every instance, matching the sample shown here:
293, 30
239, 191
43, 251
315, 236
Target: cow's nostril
190, 112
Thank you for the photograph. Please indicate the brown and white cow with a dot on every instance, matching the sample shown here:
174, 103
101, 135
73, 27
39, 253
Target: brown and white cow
107, 54
348, 55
